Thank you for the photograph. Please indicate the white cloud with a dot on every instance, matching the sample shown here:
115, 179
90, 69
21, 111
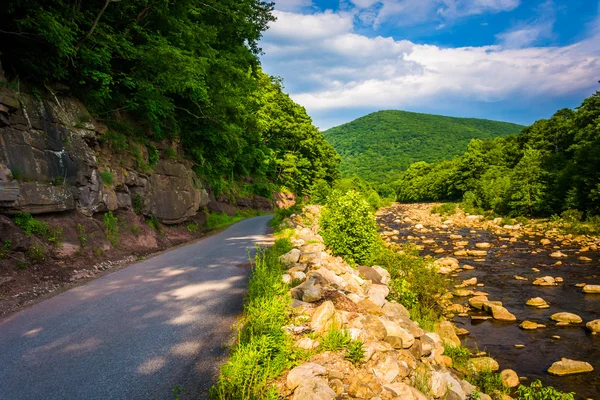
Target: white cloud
328, 68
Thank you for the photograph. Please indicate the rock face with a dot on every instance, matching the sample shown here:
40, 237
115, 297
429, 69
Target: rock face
54, 157
569, 367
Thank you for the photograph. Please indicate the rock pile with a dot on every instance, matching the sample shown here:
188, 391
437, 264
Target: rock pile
401, 360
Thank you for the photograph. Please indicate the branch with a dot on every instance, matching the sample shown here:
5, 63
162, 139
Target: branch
94, 24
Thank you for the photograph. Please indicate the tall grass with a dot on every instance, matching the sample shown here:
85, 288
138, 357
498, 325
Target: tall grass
217, 221
263, 350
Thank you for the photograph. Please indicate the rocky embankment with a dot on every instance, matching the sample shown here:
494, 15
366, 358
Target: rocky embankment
526, 292
68, 170
401, 360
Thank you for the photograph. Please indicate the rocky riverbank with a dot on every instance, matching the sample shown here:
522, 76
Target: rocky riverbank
400, 360
525, 291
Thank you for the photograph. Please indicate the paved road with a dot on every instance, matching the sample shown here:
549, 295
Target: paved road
135, 333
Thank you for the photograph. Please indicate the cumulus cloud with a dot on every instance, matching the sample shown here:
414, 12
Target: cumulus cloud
328, 67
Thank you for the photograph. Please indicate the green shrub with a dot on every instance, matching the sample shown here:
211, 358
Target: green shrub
488, 382
283, 213
282, 245
193, 227
81, 234
152, 155
153, 223
319, 192
572, 215
111, 228
22, 265
335, 339
39, 228
135, 229
138, 203
217, 221
348, 227
355, 352
170, 153
5, 249
107, 177
36, 253
374, 200
116, 141
536, 391
444, 209
460, 355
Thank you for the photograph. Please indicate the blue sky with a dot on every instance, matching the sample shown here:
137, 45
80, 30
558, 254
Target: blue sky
510, 60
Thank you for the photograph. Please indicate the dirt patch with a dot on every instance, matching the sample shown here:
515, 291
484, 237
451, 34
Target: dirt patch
33, 268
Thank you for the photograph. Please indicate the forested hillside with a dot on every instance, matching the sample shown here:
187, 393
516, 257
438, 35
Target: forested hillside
186, 70
385, 143
550, 167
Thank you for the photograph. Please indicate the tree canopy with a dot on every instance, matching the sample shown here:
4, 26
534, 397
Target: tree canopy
186, 69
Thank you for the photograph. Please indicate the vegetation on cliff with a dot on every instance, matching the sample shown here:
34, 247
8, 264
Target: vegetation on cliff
550, 167
154, 69
382, 144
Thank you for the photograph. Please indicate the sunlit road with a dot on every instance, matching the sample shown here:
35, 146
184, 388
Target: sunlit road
135, 333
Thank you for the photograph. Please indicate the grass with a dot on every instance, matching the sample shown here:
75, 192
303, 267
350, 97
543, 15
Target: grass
107, 178
41, 229
111, 228
263, 350
335, 339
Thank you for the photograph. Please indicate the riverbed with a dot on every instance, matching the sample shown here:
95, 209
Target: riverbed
496, 272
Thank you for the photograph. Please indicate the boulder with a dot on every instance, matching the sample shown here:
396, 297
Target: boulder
378, 293
370, 274
314, 389
290, 258
447, 333
591, 289
558, 254
510, 379
566, 317
483, 364
387, 370
303, 372
395, 311
373, 328
385, 275
593, 326
478, 301
530, 325
400, 390
537, 302
545, 281
569, 367
498, 312
395, 330
323, 317
442, 384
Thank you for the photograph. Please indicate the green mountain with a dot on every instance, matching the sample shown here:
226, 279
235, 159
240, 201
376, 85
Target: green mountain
387, 142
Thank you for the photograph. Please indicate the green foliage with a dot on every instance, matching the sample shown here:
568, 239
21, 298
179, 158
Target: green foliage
193, 227
107, 177
186, 70
170, 153
572, 216
111, 228
22, 265
282, 245
355, 352
444, 209
36, 253
413, 281
335, 339
41, 229
385, 143
460, 355
153, 223
537, 391
5, 249
283, 213
138, 203
550, 167
217, 221
348, 227
81, 235
488, 382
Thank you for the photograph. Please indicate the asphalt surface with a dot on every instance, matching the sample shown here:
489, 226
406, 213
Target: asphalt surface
135, 333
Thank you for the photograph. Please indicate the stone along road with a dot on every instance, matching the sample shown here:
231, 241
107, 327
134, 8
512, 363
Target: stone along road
135, 333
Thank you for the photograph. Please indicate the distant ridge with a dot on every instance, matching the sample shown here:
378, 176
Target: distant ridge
388, 141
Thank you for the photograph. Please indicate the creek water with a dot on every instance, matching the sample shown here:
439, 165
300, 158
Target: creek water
496, 273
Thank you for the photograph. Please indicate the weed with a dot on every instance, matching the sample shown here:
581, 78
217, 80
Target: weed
335, 339
5, 249
22, 265
36, 254
135, 229
36, 93
153, 223
111, 229
107, 178
217, 221
193, 227
536, 391
82, 235
98, 251
138, 203
170, 153
177, 390
16, 174
116, 141
460, 355
283, 213
41, 229
355, 352
152, 155
488, 382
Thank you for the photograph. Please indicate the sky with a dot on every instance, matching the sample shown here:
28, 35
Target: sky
508, 60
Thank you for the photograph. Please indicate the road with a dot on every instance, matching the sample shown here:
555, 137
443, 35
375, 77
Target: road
135, 333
